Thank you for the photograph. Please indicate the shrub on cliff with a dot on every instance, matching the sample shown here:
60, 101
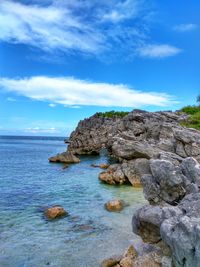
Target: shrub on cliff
194, 118
112, 114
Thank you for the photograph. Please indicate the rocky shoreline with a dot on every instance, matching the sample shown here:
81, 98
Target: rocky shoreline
152, 149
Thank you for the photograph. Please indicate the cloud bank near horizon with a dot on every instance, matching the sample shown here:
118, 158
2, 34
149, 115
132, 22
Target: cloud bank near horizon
69, 91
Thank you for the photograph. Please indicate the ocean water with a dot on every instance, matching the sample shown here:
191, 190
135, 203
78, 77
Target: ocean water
29, 184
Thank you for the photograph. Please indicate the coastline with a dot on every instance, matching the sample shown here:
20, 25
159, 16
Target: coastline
154, 150
30, 185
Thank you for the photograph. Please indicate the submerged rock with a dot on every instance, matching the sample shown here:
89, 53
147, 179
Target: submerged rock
102, 165
114, 205
55, 212
65, 157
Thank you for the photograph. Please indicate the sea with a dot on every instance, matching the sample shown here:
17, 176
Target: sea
29, 184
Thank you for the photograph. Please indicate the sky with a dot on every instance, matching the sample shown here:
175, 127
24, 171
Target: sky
63, 60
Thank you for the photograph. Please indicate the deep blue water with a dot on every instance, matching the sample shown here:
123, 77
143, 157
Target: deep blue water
29, 184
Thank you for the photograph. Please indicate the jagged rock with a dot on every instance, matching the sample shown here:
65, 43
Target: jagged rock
170, 180
102, 165
177, 226
113, 175
111, 262
114, 205
172, 157
126, 262
191, 169
55, 212
135, 169
65, 157
147, 220
131, 252
146, 261
182, 233
133, 149
139, 135
170, 183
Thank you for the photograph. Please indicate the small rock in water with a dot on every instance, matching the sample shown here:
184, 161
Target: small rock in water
65, 166
102, 166
114, 205
111, 262
65, 157
55, 212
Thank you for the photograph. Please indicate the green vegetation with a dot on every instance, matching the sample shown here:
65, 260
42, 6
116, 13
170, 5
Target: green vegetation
112, 114
194, 118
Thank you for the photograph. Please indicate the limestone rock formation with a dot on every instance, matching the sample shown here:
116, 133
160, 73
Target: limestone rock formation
174, 216
153, 149
140, 135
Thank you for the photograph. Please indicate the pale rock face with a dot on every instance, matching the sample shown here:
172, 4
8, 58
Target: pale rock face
178, 226
139, 135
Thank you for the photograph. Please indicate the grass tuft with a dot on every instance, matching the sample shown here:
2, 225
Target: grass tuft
194, 117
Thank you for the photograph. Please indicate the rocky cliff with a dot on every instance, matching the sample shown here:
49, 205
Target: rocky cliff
172, 219
135, 139
153, 149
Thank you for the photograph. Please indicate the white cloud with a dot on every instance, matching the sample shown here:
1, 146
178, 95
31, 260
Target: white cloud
47, 27
51, 105
38, 130
158, 51
74, 92
89, 27
123, 11
185, 27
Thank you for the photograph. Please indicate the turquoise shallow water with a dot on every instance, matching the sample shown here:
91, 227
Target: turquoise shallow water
29, 184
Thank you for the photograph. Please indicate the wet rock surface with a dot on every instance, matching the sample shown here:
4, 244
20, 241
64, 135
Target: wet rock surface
55, 212
115, 205
65, 157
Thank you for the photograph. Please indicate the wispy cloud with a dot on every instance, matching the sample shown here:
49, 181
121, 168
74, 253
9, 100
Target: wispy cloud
123, 10
158, 51
64, 26
47, 27
185, 27
11, 99
74, 92
88, 27
38, 130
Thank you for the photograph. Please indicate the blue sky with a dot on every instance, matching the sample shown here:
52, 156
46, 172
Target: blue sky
62, 61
